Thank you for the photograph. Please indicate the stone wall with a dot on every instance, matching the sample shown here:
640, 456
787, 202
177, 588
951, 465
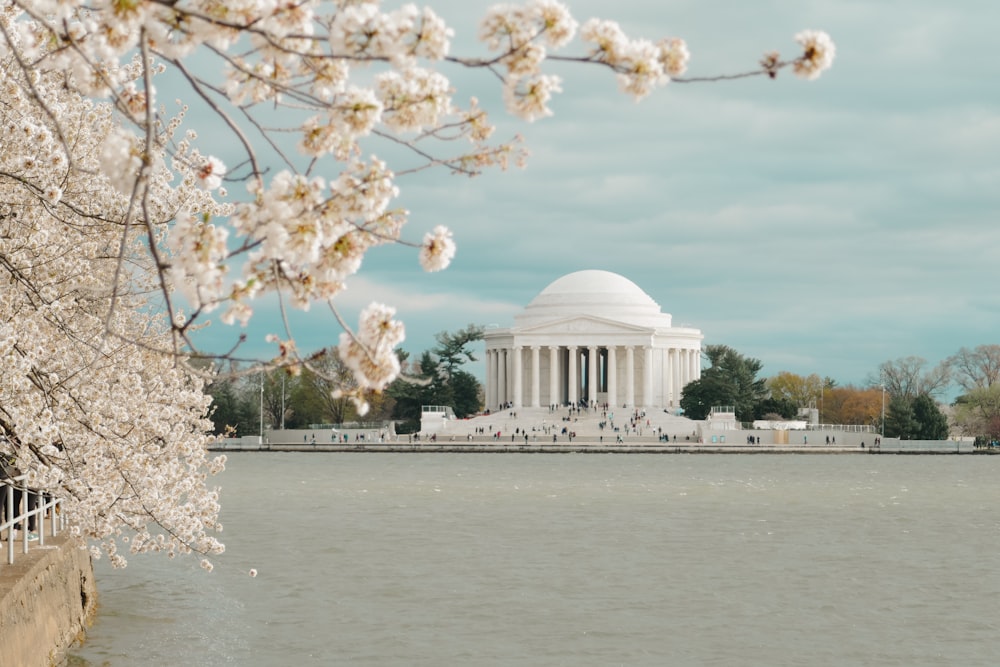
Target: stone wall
47, 597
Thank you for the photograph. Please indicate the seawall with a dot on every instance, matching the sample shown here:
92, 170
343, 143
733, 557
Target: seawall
47, 598
584, 445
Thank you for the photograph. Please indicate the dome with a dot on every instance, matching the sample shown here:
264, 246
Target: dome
594, 283
596, 293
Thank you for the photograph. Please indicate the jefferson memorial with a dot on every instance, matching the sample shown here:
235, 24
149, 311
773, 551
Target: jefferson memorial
591, 337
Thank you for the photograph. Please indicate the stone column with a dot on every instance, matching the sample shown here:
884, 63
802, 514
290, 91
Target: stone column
612, 377
647, 376
571, 374
668, 370
536, 399
675, 373
695, 363
554, 397
491, 378
501, 378
630, 376
518, 373
592, 381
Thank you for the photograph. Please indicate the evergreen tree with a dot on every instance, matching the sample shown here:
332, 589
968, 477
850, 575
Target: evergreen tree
421, 386
233, 411
438, 378
917, 418
731, 379
467, 394
453, 350
783, 407
932, 424
900, 421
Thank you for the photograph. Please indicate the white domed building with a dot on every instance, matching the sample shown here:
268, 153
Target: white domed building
589, 338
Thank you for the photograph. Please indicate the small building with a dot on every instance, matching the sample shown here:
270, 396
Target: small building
435, 418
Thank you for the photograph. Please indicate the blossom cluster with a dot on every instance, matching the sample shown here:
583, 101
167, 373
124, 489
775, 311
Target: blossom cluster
300, 235
641, 64
817, 53
97, 408
119, 236
370, 351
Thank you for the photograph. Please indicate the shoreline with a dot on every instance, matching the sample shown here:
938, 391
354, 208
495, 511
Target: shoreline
586, 447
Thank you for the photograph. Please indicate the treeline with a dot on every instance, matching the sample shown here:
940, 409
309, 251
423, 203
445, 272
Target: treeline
299, 396
289, 398
900, 399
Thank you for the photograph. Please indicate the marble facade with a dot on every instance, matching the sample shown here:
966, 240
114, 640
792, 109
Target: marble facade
590, 338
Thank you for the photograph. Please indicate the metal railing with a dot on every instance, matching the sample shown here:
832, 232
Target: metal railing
45, 506
847, 428
839, 428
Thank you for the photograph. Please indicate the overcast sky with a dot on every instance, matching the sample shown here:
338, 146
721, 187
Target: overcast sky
821, 226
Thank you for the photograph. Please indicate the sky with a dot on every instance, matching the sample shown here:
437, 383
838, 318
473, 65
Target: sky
820, 226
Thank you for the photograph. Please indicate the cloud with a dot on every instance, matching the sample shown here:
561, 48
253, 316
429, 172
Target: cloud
823, 226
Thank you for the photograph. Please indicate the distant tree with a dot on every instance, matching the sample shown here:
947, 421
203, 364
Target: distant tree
909, 377
291, 399
467, 394
977, 413
453, 349
730, 379
854, 406
330, 374
422, 385
437, 378
381, 406
900, 421
977, 368
232, 412
321, 390
802, 391
917, 418
307, 402
771, 408
931, 422
274, 395
701, 395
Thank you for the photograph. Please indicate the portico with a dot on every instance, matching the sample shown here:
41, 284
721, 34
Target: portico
589, 338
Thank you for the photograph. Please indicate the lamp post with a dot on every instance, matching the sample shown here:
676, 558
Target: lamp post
262, 406
282, 401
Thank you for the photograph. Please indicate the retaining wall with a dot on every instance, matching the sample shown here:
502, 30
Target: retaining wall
47, 598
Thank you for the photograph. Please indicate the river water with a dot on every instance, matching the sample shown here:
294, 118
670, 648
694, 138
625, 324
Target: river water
576, 559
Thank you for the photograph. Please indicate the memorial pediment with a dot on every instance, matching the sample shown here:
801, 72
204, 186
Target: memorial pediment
583, 325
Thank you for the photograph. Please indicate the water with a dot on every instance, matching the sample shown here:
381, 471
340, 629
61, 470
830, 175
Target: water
451, 559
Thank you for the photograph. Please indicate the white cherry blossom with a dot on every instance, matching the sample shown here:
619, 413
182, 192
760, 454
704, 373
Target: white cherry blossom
818, 52
437, 250
119, 240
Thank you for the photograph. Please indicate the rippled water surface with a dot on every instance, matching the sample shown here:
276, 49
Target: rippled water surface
576, 559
